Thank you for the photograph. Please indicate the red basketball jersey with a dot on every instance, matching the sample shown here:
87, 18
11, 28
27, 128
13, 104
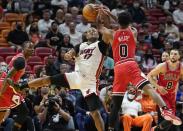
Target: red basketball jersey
11, 98
124, 45
20, 73
170, 79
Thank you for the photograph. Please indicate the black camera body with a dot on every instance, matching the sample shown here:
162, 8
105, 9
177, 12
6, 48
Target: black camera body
51, 103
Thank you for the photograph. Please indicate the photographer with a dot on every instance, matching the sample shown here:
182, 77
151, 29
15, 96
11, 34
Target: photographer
54, 117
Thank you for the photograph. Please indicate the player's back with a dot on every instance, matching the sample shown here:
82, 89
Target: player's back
170, 79
124, 45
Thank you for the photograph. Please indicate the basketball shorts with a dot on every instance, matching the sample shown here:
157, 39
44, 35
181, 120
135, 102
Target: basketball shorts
78, 81
126, 73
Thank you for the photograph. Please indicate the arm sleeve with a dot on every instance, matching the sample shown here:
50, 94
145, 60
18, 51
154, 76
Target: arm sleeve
103, 47
19, 63
76, 48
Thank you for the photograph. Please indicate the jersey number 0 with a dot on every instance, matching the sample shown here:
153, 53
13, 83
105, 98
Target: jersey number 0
123, 49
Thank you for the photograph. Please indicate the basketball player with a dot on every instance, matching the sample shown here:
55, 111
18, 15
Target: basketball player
9, 97
126, 69
168, 74
89, 57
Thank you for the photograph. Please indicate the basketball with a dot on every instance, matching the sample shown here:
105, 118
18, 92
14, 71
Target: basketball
90, 13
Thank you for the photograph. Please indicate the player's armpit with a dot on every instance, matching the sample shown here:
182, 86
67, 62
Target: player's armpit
107, 35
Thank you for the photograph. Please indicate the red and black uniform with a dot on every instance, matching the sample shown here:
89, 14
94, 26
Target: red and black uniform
126, 69
169, 81
11, 98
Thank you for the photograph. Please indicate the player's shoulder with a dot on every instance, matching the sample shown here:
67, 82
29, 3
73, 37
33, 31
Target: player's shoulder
161, 66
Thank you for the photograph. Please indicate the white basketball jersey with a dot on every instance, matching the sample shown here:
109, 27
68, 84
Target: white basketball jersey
89, 61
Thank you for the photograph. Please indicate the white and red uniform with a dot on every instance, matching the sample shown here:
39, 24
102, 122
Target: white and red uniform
88, 67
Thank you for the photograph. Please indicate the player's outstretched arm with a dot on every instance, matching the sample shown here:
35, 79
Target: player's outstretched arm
153, 74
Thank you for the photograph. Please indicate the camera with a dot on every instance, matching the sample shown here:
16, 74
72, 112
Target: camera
51, 103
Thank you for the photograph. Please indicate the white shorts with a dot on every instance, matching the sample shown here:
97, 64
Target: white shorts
77, 81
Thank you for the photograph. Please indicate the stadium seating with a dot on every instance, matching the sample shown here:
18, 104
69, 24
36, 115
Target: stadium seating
36, 67
28, 69
43, 51
34, 60
8, 59
7, 51
1, 59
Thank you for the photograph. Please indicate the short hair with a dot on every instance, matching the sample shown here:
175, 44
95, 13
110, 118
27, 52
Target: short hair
25, 44
124, 19
175, 49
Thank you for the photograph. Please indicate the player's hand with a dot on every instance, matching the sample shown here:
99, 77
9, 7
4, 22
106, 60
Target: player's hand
162, 90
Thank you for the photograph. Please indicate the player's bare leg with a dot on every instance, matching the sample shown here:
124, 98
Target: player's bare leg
98, 120
2, 114
168, 115
154, 95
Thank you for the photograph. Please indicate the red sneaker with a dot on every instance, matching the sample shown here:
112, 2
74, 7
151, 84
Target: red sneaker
169, 116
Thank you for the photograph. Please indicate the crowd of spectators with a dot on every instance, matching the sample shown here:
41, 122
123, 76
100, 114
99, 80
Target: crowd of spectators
59, 25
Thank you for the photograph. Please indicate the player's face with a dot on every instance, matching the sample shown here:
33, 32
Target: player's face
174, 56
165, 56
92, 35
29, 49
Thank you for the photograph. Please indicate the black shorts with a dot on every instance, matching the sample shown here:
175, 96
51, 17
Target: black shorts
93, 102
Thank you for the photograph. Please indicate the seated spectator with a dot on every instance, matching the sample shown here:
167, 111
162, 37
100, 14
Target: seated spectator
64, 28
75, 14
178, 14
158, 38
45, 23
54, 38
34, 35
93, 2
59, 18
132, 112
149, 61
106, 96
28, 22
169, 6
17, 36
138, 15
26, 6
120, 8
7, 122
172, 29
60, 3
75, 37
55, 116
50, 67
149, 106
83, 26
3, 69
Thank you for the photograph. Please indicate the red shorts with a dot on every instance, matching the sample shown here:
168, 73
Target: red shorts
170, 100
125, 73
10, 98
